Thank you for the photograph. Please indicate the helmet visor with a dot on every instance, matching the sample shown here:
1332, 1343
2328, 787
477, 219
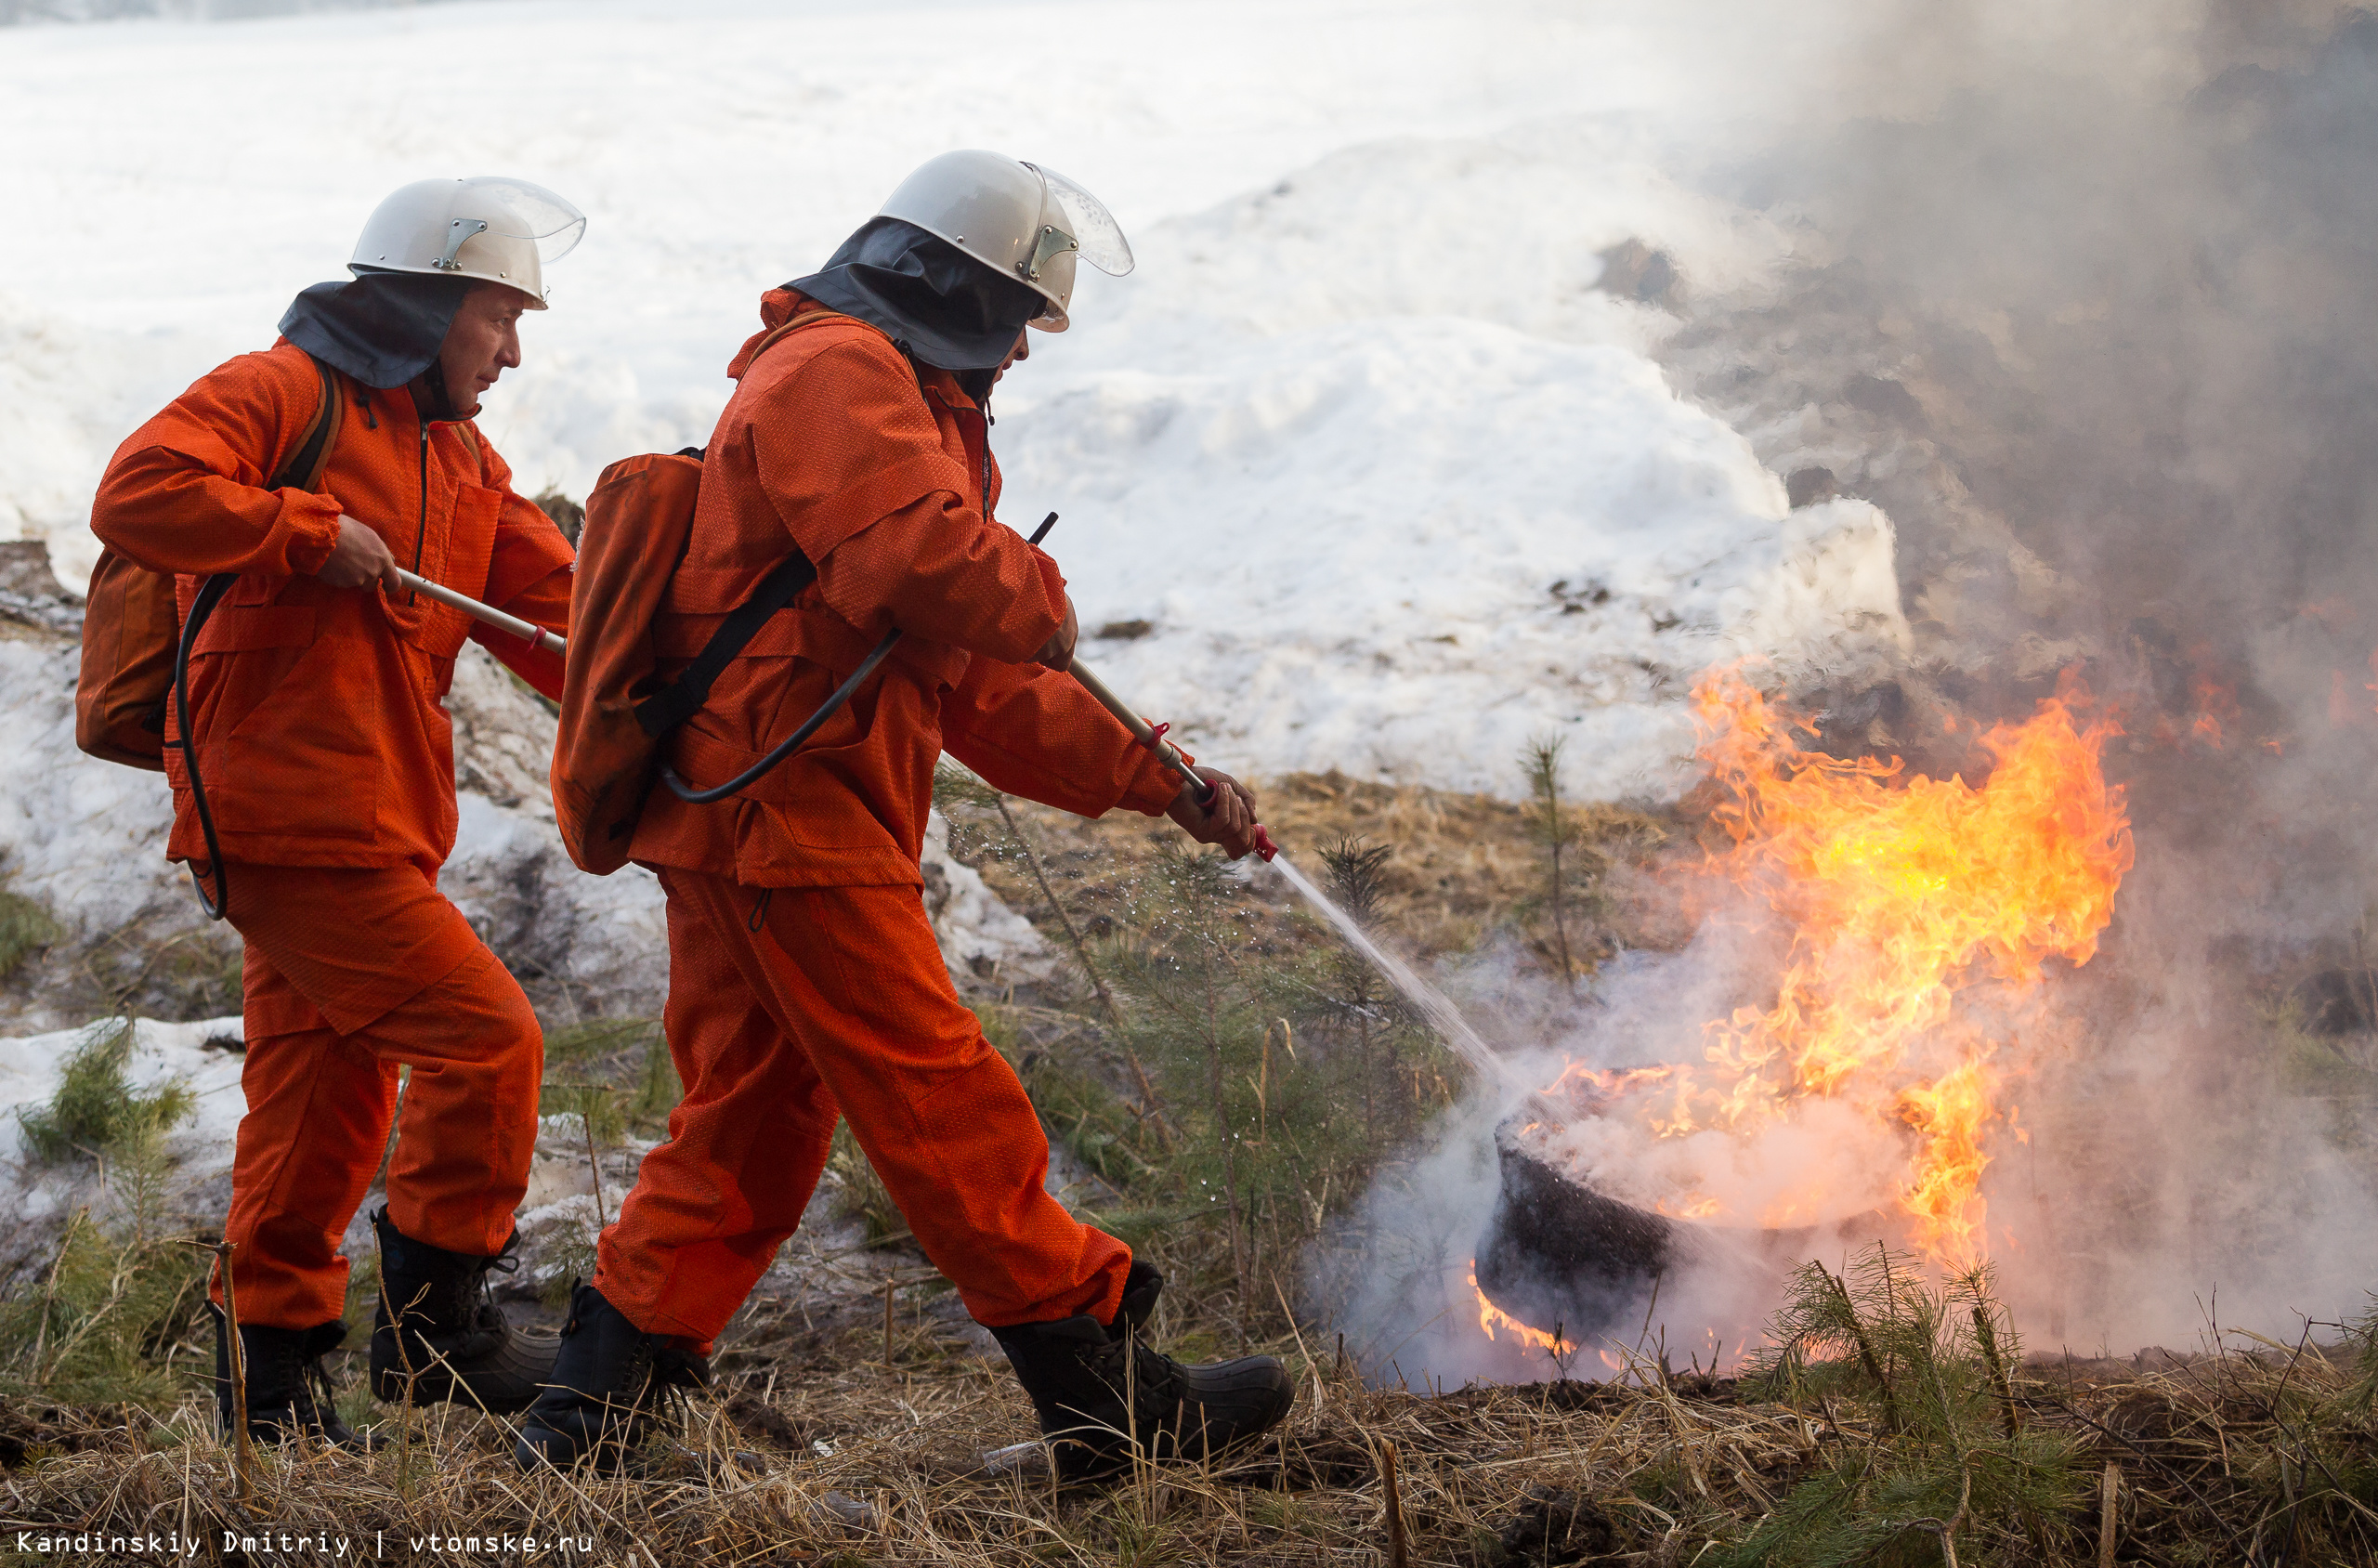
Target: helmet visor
518, 210
1096, 234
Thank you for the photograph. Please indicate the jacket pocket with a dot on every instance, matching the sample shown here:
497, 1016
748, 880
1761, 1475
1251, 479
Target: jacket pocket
462, 564
241, 656
302, 761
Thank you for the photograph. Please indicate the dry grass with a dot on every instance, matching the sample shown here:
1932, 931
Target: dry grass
2231, 1459
1465, 867
904, 1482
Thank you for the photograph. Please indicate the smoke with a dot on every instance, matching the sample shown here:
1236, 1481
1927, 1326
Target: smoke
2125, 311
2084, 298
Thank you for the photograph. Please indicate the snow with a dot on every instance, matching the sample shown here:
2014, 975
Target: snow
1358, 416
979, 933
86, 839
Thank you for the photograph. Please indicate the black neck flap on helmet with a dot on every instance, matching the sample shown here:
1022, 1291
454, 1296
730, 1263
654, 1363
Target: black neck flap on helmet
384, 328
942, 306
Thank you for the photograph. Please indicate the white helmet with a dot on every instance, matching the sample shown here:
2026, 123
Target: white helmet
490, 228
1024, 221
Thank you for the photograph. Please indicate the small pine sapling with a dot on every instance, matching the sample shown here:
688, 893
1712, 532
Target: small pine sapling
1200, 1016
1357, 881
1951, 1472
1554, 829
96, 1111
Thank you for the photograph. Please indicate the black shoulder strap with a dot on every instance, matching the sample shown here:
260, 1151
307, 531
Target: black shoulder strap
306, 462
677, 702
682, 697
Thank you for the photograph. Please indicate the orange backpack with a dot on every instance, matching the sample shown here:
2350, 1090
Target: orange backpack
638, 520
131, 625
615, 712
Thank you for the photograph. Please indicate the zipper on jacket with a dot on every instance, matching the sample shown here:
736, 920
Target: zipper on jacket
982, 433
421, 530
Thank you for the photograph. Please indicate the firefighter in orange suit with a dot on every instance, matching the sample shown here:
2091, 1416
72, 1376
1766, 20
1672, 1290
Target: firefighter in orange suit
804, 980
317, 733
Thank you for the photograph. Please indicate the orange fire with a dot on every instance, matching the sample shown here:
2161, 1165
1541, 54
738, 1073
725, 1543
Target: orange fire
2215, 702
1899, 891
1901, 894
1497, 1322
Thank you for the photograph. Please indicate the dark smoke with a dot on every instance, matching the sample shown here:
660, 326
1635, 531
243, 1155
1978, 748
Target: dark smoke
2098, 325
2104, 341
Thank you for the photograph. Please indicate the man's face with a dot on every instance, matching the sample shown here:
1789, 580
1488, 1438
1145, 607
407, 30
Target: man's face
483, 342
1015, 356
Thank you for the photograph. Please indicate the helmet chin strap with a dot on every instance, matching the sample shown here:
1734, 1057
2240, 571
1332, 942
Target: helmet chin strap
977, 385
441, 400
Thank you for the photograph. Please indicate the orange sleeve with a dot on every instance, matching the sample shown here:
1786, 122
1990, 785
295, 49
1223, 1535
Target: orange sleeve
853, 462
185, 492
529, 575
937, 570
1032, 731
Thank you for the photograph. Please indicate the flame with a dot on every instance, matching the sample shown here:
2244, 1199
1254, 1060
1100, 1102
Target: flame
1900, 892
1949, 1115
1495, 1320
2213, 700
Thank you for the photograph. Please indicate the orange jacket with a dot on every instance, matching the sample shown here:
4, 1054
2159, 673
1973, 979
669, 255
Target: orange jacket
831, 443
315, 710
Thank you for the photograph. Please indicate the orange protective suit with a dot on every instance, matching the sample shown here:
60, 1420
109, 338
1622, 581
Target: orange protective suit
804, 973
329, 763
350, 972
316, 709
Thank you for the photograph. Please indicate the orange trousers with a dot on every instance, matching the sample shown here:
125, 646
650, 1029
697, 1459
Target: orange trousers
788, 1008
349, 974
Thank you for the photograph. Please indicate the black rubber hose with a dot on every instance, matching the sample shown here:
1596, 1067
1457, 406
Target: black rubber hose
784, 748
831, 706
210, 594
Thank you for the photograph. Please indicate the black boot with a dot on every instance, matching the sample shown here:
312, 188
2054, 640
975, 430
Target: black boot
1098, 1390
449, 1339
606, 1384
289, 1391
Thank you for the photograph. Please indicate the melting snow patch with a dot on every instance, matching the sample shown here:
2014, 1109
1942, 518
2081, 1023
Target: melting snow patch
979, 933
206, 1055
